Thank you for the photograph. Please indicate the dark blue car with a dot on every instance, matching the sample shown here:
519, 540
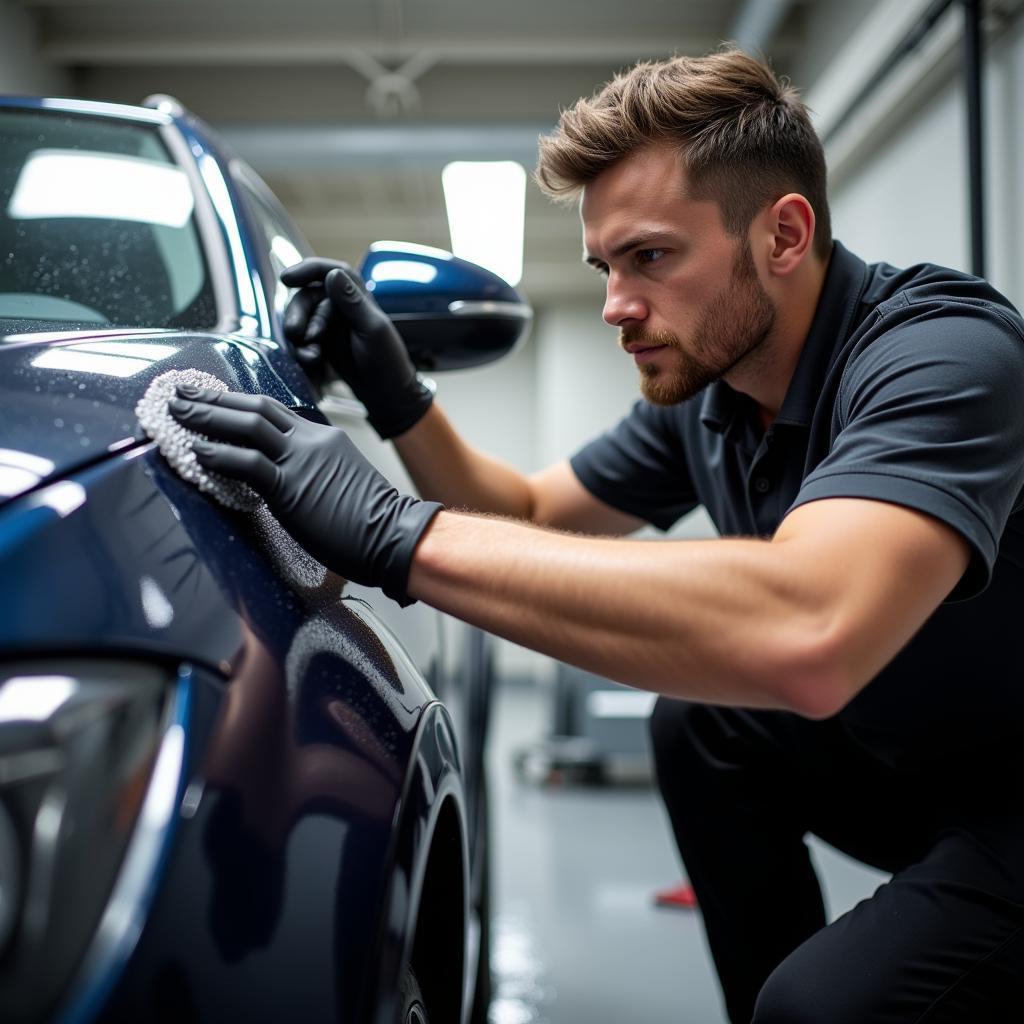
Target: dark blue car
231, 788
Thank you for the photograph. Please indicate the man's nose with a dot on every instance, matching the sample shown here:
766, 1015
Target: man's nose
621, 304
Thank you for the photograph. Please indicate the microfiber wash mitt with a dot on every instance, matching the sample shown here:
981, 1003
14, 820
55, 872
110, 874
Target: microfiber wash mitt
175, 440
300, 570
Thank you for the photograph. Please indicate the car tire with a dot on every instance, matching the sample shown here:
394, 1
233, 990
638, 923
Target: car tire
412, 1008
482, 990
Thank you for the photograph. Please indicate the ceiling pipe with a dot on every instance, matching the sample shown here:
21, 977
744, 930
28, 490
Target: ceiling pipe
907, 45
972, 68
973, 57
279, 148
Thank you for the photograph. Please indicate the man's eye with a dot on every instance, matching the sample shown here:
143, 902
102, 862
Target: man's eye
649, 255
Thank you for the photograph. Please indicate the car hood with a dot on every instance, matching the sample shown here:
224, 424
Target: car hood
67, 398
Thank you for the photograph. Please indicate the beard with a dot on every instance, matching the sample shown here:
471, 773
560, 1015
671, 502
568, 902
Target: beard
732, 326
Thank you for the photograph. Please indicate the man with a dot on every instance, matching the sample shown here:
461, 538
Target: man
846, 653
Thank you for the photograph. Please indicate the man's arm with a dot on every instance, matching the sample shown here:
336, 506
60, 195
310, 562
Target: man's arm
446, 468
801, 622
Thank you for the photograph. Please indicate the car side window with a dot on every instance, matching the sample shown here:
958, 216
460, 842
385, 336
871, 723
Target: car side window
283, 242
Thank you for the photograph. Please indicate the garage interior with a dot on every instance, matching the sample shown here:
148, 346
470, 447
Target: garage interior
350, 110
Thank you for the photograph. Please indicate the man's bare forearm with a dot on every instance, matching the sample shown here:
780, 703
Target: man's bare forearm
705, 620
445, 468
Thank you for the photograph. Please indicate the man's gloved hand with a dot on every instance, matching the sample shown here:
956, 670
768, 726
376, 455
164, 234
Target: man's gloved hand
315, 481
333, 310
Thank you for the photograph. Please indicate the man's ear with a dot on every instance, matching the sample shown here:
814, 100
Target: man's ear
789, 223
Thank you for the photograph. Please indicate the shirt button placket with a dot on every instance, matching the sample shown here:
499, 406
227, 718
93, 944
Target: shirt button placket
761, 507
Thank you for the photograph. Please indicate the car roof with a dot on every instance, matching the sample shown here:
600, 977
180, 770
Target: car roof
120, 111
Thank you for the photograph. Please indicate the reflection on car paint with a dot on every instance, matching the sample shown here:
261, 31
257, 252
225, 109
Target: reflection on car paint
63, 403
125, 914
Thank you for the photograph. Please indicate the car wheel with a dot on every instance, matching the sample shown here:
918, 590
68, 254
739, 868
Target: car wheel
413, 1010
482, 989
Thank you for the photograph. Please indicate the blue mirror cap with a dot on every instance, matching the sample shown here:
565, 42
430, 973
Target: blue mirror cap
408, 278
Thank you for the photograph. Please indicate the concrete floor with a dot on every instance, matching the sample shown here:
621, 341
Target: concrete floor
576, 936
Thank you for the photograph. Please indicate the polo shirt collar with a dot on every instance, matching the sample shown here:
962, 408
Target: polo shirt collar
832, 323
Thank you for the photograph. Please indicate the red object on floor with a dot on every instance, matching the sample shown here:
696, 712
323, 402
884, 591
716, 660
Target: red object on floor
679, 896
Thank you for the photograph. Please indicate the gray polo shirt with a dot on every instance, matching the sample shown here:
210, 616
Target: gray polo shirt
909, 389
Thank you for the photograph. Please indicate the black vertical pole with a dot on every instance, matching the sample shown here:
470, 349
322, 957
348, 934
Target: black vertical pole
972, 56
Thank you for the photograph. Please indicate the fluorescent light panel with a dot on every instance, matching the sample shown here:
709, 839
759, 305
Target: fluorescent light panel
486, 203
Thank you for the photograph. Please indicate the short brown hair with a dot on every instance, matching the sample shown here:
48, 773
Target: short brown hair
745, 136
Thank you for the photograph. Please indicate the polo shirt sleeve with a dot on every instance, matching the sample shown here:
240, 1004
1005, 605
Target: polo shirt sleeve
930, 415
639, 466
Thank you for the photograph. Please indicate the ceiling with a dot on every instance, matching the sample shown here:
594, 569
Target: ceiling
349, 108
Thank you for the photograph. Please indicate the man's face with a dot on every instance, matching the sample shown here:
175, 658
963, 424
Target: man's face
684, 293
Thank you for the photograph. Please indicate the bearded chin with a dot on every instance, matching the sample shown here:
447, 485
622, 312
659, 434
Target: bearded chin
670, 387
689, 375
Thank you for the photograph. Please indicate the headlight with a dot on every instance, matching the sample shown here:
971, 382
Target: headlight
91, 756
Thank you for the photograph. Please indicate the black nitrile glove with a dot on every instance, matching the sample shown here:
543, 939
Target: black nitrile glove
334, 311
315, 481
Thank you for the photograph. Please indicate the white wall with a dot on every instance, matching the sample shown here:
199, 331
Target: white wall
494, 407
22, 70
585, 382
908, 204
907, 201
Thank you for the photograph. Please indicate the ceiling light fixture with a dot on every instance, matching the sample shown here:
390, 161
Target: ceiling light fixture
486, 203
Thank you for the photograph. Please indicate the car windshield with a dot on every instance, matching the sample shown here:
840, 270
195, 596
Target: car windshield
97, 226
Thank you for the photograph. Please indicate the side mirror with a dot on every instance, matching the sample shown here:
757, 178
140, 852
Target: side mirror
449, 312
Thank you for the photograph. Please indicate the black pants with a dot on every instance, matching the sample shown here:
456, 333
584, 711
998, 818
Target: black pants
943, 941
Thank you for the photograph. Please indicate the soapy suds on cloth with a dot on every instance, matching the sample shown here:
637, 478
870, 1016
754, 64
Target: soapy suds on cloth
175, 440
300, 570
